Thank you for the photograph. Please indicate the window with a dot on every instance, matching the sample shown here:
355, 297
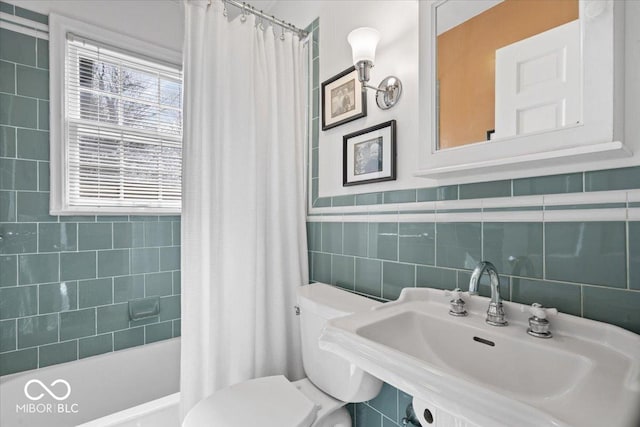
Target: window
121, 136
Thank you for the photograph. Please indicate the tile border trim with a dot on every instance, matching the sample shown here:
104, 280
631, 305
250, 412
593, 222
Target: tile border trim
24, 26
596, 206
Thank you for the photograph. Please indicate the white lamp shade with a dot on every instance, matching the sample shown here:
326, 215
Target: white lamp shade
363, 43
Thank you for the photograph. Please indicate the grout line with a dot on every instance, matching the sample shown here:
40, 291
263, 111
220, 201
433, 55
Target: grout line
16, 94
17, 269
37, 105
381, 278
481, 240
331, 267
398, 411
627, 236
398, 242
354, 273
368, 238
25, 191
511, 288
37, 55
37, 174
544, 250
435, 246
77, 238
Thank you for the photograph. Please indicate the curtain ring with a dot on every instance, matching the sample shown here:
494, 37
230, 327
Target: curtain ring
261, 26
282, 34
224, 10
243, 18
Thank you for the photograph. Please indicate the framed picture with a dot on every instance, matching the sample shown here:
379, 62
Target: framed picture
369, 155
342, 99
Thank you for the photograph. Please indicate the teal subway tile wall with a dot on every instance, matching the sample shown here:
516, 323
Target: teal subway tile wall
65, 281
580, 255
572, 265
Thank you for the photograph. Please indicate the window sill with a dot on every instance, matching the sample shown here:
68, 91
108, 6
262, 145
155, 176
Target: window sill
113, 210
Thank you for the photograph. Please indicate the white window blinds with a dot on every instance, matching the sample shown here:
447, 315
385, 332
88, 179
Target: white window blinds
123, 128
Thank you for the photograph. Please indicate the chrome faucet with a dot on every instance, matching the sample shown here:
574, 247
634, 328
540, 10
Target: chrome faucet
495, 312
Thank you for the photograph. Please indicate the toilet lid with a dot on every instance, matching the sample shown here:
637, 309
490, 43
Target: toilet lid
267, 402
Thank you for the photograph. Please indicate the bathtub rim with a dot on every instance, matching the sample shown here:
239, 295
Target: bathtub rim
134, 412
6, 378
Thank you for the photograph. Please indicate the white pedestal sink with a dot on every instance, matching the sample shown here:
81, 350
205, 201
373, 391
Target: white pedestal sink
587, 375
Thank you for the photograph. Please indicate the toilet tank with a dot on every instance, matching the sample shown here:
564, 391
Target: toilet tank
335, 376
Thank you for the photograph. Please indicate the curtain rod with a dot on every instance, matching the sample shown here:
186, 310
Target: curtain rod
248, 8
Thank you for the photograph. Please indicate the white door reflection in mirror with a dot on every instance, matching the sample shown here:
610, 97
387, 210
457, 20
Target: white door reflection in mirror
469, 35
538, 82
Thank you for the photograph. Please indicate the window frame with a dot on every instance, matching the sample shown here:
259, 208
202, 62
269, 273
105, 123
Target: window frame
59, 26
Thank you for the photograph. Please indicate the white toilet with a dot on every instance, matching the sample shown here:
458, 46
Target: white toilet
316, 401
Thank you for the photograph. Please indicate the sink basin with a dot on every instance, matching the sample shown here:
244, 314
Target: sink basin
455, 346
588, 374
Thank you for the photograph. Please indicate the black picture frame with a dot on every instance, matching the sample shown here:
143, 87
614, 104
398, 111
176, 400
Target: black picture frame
342, 99
369, 155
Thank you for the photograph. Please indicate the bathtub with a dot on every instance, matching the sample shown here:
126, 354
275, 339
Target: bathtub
133, 387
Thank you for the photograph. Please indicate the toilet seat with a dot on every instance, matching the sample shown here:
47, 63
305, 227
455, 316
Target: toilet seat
269, 401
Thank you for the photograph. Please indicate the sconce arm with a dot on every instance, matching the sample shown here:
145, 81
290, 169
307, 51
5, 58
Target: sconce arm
366, 86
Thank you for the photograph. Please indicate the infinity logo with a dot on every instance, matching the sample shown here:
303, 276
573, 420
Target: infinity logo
51, 393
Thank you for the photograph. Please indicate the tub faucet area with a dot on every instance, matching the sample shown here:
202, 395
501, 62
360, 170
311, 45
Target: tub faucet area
495, 312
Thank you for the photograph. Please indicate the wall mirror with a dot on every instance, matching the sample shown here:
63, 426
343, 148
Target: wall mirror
512, 82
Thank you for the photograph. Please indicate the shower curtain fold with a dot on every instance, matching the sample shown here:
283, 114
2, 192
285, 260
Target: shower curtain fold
244, 248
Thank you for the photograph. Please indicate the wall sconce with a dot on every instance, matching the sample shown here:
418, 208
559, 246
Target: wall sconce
363, 43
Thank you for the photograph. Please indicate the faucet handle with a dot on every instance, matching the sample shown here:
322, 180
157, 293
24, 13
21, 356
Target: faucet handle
454, 294
537, 310
457, 303
538, 323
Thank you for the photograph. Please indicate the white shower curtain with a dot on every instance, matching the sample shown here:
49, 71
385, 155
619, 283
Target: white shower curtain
244, 248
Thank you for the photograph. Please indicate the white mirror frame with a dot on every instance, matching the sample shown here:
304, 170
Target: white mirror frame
596, 143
